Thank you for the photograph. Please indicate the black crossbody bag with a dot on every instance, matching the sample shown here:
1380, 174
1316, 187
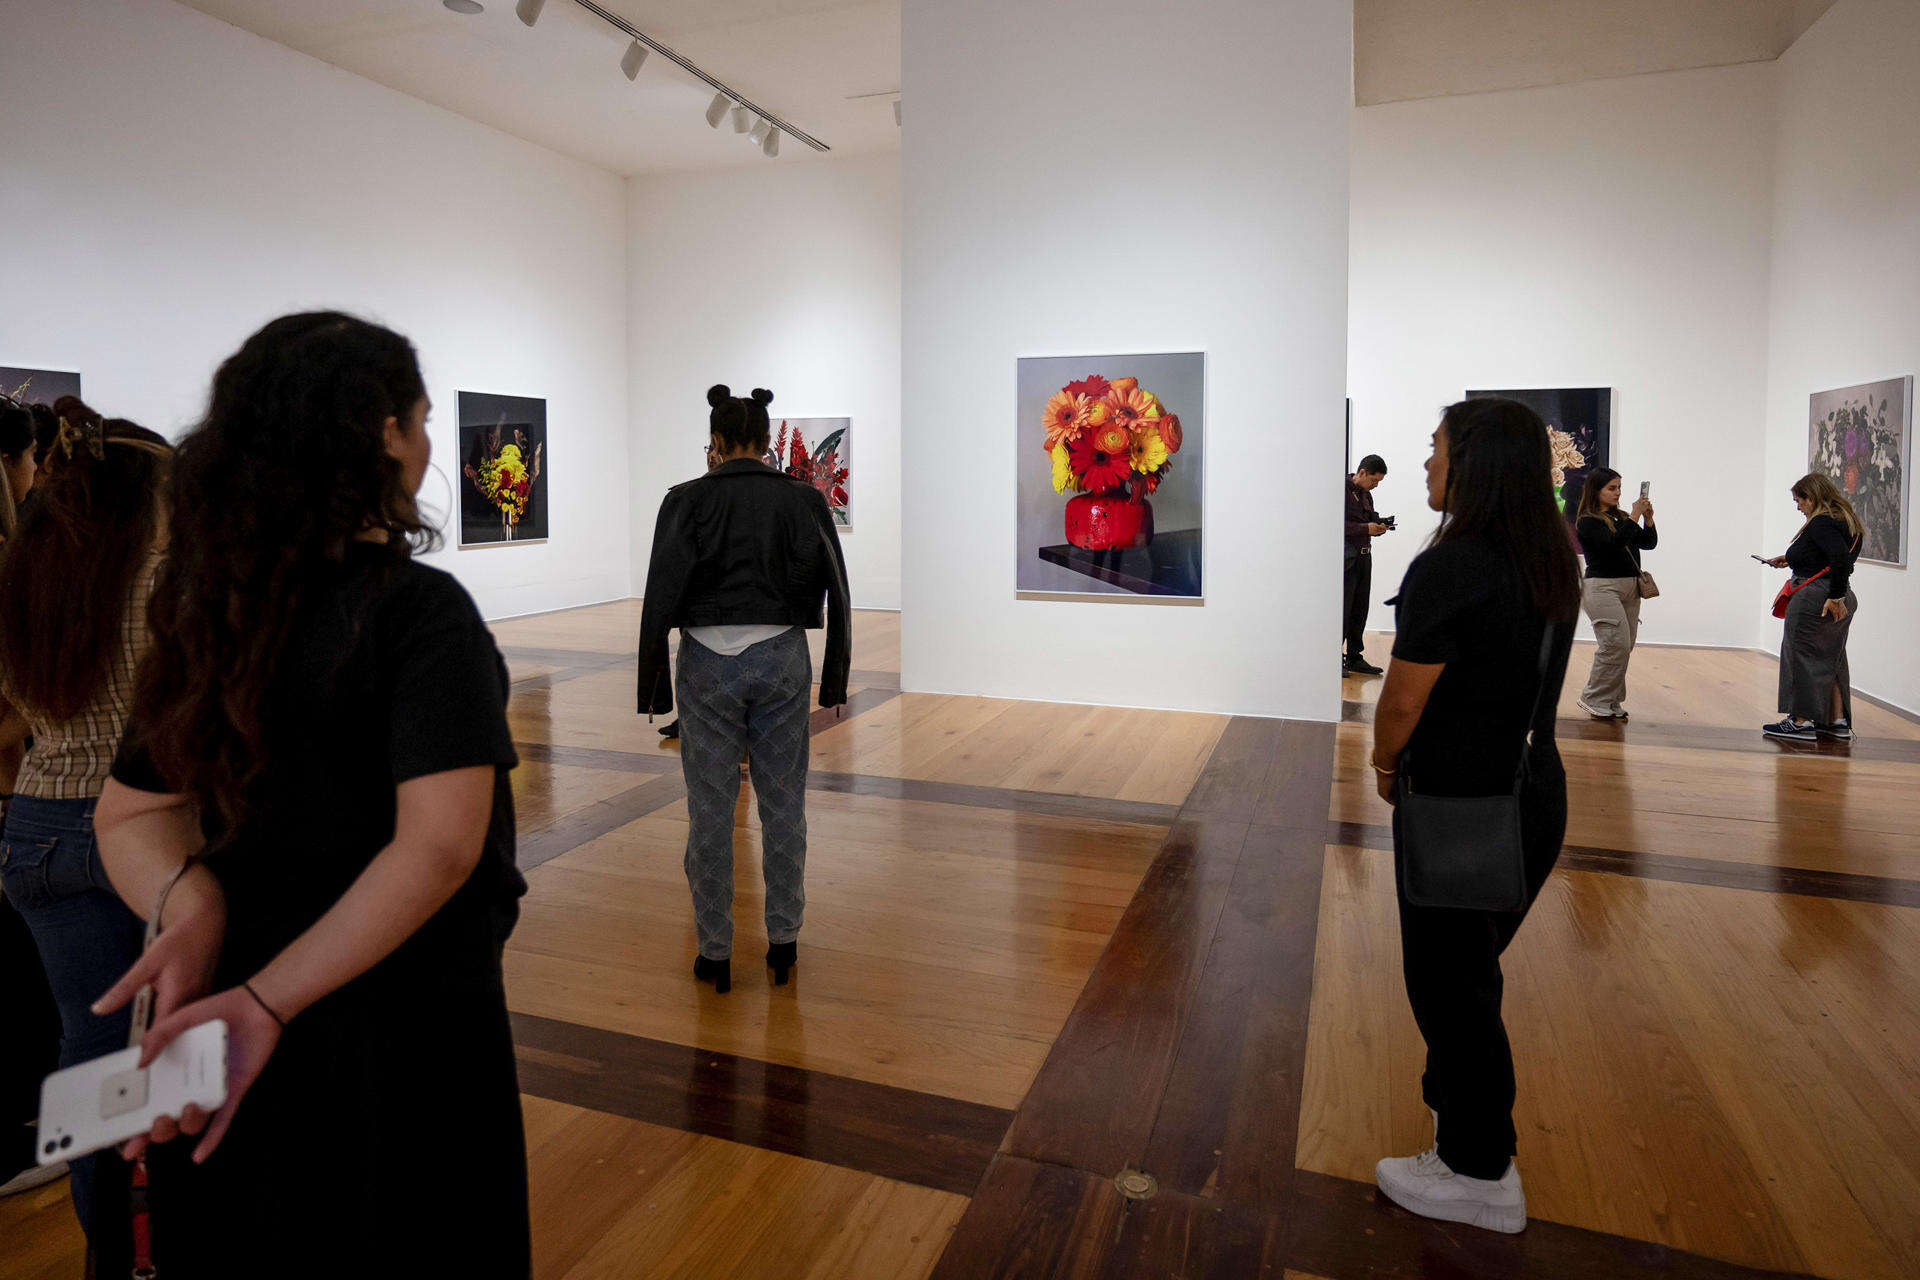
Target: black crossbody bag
1465, 851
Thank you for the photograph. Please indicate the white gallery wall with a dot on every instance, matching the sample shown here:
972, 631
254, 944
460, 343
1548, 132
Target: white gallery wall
778, 276
1846, 283
1611, 233
1083, 177
168, 183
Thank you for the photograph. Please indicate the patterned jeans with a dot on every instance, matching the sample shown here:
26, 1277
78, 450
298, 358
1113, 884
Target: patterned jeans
756, 703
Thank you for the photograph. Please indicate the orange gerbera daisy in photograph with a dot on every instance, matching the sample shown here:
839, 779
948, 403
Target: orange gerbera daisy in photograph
1065, 418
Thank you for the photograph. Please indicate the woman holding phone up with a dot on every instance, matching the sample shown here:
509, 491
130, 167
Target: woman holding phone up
312, 797
1612, 542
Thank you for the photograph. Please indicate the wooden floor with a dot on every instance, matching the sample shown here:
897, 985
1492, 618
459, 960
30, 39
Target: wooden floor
1048, 943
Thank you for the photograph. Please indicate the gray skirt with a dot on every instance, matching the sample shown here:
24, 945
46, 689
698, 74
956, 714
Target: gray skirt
1813, 656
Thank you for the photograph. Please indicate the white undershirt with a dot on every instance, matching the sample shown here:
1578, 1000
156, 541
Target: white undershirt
732, 641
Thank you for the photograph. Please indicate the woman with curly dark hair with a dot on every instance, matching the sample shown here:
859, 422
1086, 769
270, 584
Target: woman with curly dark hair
312, 797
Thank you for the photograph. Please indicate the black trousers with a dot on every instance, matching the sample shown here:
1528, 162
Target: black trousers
1451, 960
1358, 589
30, 1028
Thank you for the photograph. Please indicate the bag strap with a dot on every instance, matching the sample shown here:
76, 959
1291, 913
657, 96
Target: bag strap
1539, 696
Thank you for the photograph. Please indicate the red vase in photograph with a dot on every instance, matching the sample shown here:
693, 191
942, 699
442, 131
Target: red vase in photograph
1109, 523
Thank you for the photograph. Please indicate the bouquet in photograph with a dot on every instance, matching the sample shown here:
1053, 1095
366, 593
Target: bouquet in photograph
825, 468
504, 475
1111, 443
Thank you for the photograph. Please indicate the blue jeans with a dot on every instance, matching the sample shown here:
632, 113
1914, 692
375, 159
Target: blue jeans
51, 873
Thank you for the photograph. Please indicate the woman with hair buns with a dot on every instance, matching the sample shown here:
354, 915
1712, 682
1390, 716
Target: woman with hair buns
1816, 692
742, 560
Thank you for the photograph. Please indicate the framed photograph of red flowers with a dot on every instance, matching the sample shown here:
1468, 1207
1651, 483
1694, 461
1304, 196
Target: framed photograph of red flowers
503, 469
818, 451
1110, 451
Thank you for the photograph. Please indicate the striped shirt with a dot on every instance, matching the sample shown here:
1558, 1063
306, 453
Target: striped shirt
70, 759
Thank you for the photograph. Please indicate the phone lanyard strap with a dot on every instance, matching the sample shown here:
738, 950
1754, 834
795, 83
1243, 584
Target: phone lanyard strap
138, 1203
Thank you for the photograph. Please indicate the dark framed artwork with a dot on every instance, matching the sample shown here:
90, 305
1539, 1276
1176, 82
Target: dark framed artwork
1579, 423
1108, 465
37, 386
818, 451
503, 469
1861, 438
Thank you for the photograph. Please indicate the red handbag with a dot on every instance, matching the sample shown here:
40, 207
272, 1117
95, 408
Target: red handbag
1790, 586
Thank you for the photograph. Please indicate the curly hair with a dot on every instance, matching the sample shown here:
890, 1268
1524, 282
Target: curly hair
68, 574
268, 493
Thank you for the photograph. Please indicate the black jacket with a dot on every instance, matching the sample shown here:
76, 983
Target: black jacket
744, 544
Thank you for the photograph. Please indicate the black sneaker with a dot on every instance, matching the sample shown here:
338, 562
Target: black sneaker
1839, 731
1359, 666
670, 731
1790, 730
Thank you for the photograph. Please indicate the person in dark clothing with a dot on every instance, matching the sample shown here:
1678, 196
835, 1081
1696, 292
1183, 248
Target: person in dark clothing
1816, 685
1612, 542
1457, 712
742, 559
312, 795
1363, 526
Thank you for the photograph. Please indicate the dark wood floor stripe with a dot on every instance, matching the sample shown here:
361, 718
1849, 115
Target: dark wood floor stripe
859, 703
1047, 802
1701, 738
1346, 1230
588, 658
922, 1138
1805, 881
598, 758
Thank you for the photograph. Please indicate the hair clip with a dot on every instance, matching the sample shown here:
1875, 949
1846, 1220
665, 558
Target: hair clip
90, 432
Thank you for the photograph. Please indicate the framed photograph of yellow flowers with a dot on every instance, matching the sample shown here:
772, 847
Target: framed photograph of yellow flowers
1110, 451
503, 469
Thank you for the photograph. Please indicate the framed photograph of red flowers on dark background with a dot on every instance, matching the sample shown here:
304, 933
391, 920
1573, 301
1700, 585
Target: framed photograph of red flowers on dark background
1861, 439
502, 475
820, 452
1109, 456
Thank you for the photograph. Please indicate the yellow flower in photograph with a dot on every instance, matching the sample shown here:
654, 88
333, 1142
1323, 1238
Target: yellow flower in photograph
1149, 450
1062, 470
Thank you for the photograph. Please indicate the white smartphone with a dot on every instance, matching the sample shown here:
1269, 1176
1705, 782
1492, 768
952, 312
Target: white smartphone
99, 1104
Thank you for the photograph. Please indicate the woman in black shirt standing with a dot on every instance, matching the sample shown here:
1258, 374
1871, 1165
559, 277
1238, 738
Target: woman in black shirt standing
312, 796
1465, 699
1612, 543
1816, 689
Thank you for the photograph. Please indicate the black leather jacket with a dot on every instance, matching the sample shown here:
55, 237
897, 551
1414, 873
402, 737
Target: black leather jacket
744, 544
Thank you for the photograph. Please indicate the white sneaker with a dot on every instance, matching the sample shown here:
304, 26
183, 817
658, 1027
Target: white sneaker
1424, 1185
1591, 710
38, 1176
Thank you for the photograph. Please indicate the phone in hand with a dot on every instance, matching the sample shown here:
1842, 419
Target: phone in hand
1761, 559
94, 1105
1645, 485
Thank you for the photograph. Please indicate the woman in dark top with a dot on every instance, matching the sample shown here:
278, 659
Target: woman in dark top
1612, 543
742, 558
312, 795
1457, 712
1816, 686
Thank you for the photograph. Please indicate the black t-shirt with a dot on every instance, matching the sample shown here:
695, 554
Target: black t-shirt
389, 675
1611, 545
1464, 605
1825, 544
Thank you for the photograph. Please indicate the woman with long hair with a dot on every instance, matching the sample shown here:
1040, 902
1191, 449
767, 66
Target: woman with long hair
75, 577
742, 559
1816, 685
1468, 705
1612, 541
18, 460
312, 799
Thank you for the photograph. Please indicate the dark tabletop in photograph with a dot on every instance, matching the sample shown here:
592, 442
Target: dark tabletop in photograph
1168, 566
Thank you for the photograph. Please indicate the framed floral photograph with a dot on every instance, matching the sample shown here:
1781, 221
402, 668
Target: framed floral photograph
503, 469
1109, 452
1580, 424
1861, 438
818, 451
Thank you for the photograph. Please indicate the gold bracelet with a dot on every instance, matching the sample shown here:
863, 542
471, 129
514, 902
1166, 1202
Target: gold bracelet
1385, 773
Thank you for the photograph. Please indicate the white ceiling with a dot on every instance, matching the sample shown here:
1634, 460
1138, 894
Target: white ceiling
559, 83
1435, 48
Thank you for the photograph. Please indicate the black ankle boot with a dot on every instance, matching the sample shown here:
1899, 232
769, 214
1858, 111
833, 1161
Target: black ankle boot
719, 972
780, 958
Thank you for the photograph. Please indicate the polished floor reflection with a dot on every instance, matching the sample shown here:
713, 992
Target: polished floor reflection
1046, 943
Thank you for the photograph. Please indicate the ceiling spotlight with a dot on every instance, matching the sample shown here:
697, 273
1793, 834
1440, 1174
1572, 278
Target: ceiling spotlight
760, 131
717, 109
742, 120
770, 145
529, 10
634, 58
468, 7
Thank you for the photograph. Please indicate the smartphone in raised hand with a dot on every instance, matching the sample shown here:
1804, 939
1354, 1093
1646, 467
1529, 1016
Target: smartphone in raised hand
1645, 485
